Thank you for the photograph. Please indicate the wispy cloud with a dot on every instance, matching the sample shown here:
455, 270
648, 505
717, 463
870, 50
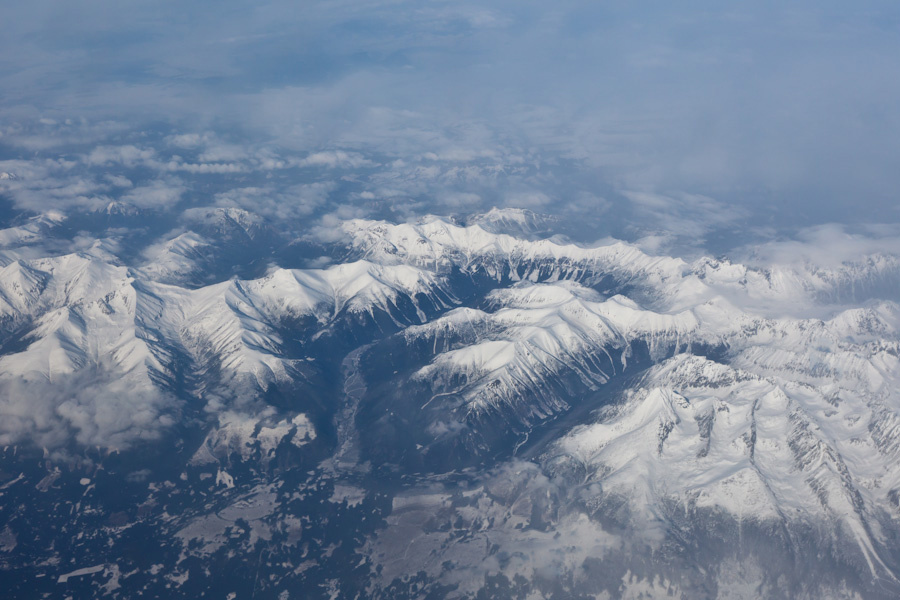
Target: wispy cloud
780, 114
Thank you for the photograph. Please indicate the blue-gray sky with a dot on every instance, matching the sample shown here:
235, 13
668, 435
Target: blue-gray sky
686, 118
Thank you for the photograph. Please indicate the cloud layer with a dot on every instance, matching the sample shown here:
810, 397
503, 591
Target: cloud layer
753, 114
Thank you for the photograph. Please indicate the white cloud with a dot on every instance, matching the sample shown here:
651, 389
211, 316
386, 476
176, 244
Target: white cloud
157, 194
118, 180
220, 152
682, 215
333, 159
439, 103
830, 245
51, 184
461, 200
293, 202
36, 136
188, 140
91, 408
220, 168
127, 155
529, 199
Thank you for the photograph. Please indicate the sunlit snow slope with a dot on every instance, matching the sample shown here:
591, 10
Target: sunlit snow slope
510, 401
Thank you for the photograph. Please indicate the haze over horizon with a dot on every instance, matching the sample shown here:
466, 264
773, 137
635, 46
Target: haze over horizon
697, 122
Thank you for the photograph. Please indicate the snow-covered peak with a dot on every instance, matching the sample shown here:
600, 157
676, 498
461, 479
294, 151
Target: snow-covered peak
513, 221
528, 295
362, 285
30, 287
33, 231
439, 244
121, 208
177, 259
667, 284
226, 220
538, 333
794, 426
861, 325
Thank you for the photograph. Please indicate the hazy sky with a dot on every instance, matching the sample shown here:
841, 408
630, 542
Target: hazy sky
685, 118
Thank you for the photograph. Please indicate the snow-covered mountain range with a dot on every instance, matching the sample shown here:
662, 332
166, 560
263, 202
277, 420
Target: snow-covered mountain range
539, 416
